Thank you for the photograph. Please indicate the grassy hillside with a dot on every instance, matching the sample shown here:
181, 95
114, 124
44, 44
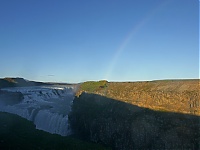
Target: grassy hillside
6, 83
18, 82
165, 95
139, 115
92, 86
19, 134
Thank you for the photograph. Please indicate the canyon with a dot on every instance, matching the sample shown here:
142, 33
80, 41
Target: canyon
161, 114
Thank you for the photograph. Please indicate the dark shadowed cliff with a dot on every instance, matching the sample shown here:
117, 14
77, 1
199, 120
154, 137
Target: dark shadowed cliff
139, 115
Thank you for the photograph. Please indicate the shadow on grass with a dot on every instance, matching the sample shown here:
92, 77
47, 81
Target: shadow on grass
17, 133
124, 126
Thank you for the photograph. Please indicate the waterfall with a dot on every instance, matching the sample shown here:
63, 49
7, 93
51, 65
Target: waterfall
47, 107
52, 122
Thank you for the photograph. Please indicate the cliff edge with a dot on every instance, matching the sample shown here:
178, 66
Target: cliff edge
181, 96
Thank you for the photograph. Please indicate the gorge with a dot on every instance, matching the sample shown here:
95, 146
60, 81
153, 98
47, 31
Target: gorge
121, 115
139, 115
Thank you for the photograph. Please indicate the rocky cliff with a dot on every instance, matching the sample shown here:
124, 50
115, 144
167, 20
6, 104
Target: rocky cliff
138, 115
166, 95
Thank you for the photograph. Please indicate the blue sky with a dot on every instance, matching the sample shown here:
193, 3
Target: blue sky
116, 40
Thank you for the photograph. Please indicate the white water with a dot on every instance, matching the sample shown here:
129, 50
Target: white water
48, 107
54, 122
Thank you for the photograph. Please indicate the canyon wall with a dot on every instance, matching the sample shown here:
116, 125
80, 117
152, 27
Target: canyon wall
138, 115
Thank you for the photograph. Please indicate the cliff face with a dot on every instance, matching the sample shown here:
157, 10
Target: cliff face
180, 96
125, 126
10, 98
139, 115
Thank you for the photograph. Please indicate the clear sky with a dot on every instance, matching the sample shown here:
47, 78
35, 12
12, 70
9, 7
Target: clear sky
117, 40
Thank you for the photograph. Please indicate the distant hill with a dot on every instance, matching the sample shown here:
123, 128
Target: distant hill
19, 82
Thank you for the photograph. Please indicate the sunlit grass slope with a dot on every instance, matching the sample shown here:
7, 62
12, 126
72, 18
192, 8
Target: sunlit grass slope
180, 96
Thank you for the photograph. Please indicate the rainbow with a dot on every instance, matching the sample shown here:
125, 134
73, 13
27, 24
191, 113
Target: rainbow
136, 28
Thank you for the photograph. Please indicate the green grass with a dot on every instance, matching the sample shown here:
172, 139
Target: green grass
92, 86
18, 133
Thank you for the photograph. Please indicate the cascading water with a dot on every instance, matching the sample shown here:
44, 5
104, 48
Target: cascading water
54, 122
47, 107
